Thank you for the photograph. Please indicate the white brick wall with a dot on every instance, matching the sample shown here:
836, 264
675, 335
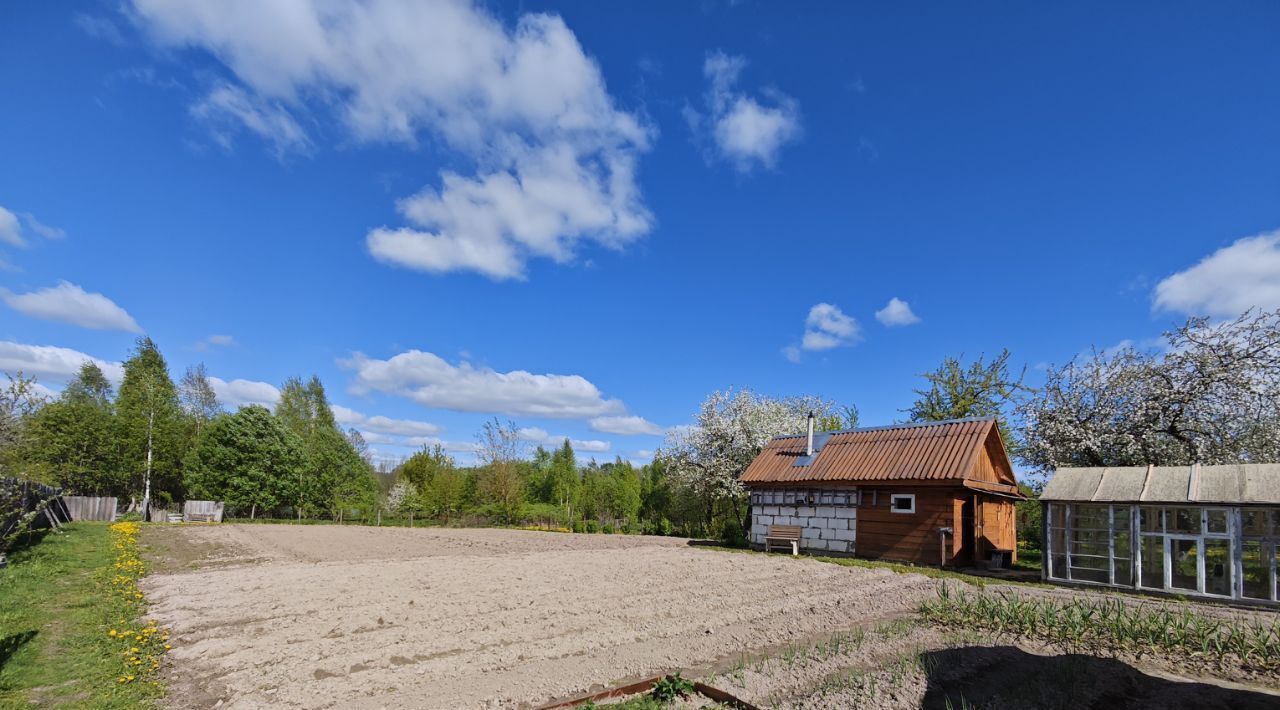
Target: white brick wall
823, 528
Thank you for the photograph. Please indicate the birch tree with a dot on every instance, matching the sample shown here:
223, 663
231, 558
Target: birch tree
149, 416
198, 399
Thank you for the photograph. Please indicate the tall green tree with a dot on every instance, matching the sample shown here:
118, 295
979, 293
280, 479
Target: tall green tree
247, 459
90, 386
979, 389
335, 476
424, 465
562, 480
150, 423
74, 442
304, 407
623, 498
337, 479
447, 492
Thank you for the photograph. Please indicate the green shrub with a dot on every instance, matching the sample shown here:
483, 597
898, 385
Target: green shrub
671, 688
607, 529
731, 534
593, 526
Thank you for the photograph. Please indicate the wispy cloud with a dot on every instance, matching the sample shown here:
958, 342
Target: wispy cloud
747, 131
13, 228
214, 341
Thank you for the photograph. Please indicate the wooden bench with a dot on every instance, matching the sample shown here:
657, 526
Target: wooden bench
201, 517
783, 535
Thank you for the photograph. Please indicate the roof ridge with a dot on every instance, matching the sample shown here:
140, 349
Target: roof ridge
886, 427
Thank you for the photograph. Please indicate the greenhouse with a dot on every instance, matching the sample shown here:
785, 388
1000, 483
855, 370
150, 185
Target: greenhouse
1205, 531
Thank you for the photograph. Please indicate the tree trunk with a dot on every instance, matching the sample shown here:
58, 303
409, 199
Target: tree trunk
253, 511
146, 480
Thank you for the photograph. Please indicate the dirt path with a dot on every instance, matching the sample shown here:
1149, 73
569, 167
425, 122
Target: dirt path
323, 616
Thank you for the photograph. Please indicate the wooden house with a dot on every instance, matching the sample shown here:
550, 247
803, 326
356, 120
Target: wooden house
930, 493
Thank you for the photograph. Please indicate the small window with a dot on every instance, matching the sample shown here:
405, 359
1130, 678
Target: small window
902, 503
1215, 522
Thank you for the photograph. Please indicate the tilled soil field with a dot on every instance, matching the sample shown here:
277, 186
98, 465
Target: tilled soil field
328, 616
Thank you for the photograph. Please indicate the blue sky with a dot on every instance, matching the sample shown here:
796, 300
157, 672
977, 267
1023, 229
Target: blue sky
586, 216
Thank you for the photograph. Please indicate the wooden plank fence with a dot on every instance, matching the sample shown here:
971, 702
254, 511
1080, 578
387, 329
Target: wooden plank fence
210, 510
90, 507
26, 506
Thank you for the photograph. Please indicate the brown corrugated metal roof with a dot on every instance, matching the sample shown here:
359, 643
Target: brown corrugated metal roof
931, 451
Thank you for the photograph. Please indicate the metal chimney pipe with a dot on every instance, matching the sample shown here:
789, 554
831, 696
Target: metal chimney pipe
809, 448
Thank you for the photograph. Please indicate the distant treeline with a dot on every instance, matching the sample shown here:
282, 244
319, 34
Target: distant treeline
1209, 394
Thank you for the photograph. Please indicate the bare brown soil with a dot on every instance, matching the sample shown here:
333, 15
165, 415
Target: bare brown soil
327, 616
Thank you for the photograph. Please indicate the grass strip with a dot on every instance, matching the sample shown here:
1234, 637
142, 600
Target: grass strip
1092, 625
60, 601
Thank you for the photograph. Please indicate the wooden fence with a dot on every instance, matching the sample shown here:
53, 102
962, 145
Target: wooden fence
202, 508
90, 507
26, 505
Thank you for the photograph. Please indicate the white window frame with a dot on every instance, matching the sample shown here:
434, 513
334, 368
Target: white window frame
893, 503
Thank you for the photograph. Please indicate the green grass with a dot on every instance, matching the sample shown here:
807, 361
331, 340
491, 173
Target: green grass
1114, 624
54, 612
1029, 559
897, 567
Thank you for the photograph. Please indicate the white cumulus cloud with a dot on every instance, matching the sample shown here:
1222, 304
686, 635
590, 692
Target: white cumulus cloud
68, 303
50, 363
551, 158
747, 131
828, 327
625, 425
897, 312
538, 435
431, 381
383, 425
241, 393
1228, 282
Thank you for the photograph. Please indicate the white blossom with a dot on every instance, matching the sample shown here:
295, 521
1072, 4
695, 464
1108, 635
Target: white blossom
731, 430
